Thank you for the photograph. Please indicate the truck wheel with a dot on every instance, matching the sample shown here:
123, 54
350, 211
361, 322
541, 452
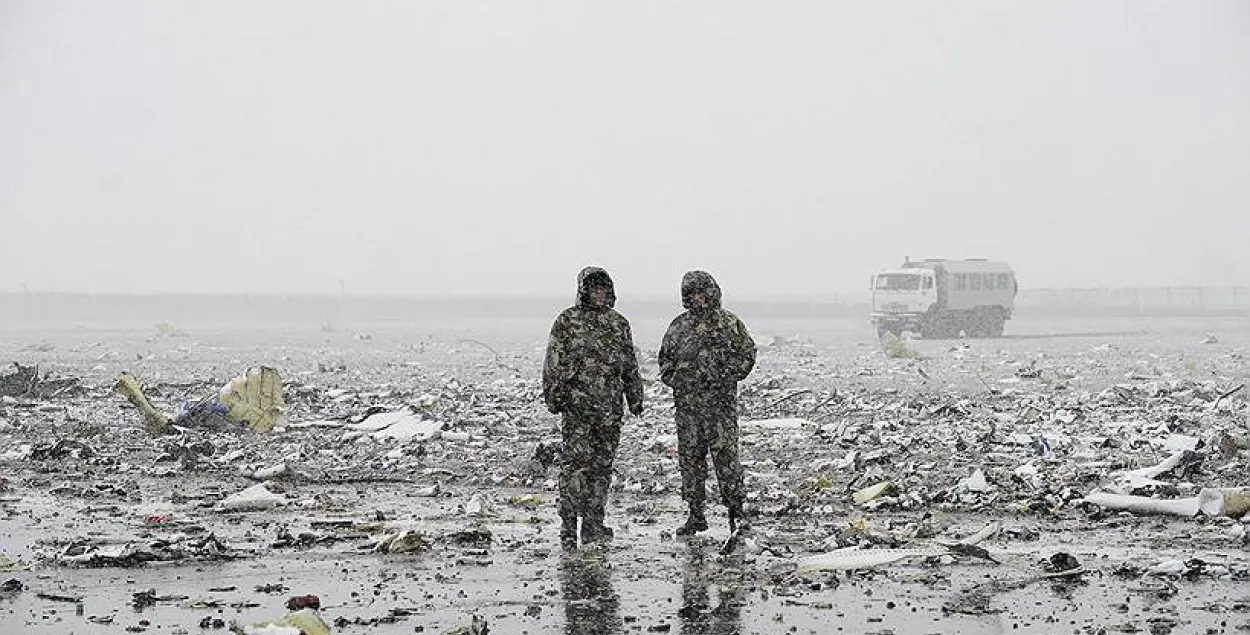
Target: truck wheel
994, 326
959, 328
936, 329
986, 324
976, 328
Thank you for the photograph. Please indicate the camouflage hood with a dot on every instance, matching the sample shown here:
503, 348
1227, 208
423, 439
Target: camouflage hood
590, 277
700, 281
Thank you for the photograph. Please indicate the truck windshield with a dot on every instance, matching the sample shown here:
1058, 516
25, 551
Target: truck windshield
898, 282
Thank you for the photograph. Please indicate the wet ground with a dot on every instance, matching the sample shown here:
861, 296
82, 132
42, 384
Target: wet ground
486, 509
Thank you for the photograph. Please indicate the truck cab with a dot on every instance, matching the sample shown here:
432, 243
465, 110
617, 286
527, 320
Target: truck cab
903, 291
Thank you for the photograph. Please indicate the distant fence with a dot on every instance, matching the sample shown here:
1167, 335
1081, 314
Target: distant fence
246, 310
1137, 301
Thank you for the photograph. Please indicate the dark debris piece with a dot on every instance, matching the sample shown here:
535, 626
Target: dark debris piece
303, 602
476, 538
212, 622
65, 448
25, 381
1061, 561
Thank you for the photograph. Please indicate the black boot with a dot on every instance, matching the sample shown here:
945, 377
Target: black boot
737, 518
596, 531
695, 522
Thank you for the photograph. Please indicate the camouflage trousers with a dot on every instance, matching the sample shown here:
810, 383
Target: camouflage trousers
707, 424
590, 442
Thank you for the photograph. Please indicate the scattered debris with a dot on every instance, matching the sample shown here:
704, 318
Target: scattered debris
1181, 461
896, 349
165, 329
872, 492
254, 399
56, 597
477, 506
187, 454
26, 382
394, 426
1061, 562
148, 597
975, 600
8, 564
976, 482
479, 538
272, 472
301, 622
1233, 503
477, 626
63, 449
154, 421
89, 553
303, 602
857, 558
402, 541
21, 382
1216, 405
255, 498
453, 461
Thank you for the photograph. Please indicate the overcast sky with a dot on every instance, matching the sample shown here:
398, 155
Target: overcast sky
497, 147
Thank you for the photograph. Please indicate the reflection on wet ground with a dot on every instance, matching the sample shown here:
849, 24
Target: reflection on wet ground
711, 594
591, 605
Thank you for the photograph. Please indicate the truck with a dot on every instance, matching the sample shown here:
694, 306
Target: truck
938, 298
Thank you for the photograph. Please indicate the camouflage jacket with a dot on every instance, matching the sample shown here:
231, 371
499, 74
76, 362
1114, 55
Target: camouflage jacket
705, 349
590, 366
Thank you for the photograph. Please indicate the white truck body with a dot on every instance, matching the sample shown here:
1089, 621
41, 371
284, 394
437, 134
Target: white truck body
944, 298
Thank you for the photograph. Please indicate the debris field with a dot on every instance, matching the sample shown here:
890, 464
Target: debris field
1073, 477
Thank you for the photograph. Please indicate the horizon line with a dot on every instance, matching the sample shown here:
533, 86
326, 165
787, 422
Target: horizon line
403, 296
776, 297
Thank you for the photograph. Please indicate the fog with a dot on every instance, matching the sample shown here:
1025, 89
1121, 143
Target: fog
496, 148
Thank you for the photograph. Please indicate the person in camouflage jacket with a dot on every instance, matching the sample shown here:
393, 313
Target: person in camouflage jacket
590, 372
706, 352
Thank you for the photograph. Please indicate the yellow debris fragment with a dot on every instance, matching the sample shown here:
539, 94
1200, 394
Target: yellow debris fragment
896, 349
154, 421
254, 399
